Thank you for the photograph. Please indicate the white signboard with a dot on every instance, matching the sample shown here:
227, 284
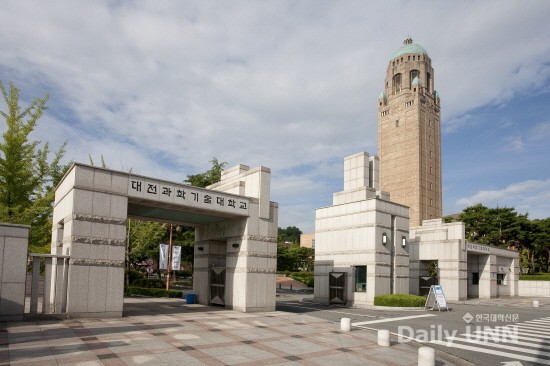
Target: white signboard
440, 297
187, 195
436, 297
163, 256
176, 258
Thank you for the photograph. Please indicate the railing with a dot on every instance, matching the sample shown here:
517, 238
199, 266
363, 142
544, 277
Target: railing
54, 289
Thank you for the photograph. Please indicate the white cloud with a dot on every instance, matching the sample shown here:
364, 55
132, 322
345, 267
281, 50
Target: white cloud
541, 131
165, 86
530, 196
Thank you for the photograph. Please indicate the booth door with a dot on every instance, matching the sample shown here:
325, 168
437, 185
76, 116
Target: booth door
337, 287
217, 286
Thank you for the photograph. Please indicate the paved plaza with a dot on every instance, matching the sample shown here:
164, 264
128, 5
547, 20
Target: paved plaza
157, 331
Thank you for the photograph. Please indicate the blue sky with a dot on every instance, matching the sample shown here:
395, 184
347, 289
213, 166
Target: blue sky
162, 87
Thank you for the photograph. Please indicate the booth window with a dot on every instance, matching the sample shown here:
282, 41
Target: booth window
500, 278
475, 278
360, 278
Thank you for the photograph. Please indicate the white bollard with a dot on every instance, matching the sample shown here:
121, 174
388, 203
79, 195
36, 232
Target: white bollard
384, 337
426, 356
535, 303
345, 324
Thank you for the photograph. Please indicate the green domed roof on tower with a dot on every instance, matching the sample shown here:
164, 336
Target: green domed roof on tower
409, 47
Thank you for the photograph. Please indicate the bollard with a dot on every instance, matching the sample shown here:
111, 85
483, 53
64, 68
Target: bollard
345, 324
384, 337
426, 356
535, 303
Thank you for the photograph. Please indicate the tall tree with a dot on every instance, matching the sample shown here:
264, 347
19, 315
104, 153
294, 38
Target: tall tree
27, 179
290, 234
498, 226
540, 256
211, 176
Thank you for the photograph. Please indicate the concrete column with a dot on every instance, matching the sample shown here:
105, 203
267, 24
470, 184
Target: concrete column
513, 281
488, 276
14, 241
91, 206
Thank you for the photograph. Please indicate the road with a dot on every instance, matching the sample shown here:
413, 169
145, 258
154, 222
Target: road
479, 334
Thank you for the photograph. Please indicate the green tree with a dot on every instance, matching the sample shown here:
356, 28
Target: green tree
540, 256
291, 235
302, 258
27, 179
211, 176
284, 260
498, 226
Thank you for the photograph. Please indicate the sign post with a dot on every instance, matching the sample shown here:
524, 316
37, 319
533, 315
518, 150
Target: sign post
436, 296
149, 262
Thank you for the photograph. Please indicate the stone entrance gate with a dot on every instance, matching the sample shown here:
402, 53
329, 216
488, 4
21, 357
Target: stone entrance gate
235, 227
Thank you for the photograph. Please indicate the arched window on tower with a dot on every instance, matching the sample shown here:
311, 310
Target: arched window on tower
428, 81
396, 83
413, 74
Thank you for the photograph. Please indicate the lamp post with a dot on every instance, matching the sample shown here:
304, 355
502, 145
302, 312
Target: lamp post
169, 264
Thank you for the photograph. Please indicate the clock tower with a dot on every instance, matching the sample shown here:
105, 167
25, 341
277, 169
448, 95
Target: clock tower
409, 134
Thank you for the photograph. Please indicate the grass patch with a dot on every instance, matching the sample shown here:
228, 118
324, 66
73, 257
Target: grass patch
152, 292
535, 277
400, 300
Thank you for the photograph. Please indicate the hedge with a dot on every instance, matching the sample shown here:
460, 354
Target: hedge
400, 300
535, 277
152, 292
149, 283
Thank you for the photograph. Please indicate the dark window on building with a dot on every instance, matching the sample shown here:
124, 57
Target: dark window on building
413, 74
475, 278
428, 81
396, 83
360, 278
500, 278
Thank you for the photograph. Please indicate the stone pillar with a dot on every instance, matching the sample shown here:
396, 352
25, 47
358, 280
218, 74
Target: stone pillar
251, 252
514, 276
14, 241
487, 278
91, 208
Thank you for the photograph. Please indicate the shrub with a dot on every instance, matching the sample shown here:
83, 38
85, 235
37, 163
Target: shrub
400, 300
152, 292
307, 278
183, 274
134, 274
148, 283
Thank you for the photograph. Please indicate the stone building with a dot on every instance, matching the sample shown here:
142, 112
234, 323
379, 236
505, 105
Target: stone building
361, 248
409, 134
368, 245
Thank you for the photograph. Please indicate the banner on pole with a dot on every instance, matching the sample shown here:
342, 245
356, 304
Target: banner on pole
176, 258
163, 256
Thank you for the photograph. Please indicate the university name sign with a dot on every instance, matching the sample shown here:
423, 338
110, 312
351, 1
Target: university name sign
185, 195
471, 247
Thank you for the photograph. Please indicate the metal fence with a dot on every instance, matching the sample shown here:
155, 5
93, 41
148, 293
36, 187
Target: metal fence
48, 285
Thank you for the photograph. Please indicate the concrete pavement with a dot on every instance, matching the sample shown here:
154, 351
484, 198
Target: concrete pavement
169, 332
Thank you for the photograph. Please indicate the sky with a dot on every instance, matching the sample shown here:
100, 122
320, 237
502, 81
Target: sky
163, 87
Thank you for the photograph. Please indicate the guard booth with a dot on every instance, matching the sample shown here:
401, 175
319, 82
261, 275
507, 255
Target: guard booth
235, 235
